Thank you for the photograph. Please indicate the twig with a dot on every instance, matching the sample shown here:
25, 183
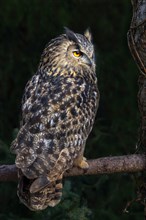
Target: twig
105, 165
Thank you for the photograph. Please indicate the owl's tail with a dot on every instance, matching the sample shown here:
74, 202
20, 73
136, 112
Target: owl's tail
48, 196
42, 181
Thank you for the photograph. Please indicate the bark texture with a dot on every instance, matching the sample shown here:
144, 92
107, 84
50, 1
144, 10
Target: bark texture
105, 165
137, 45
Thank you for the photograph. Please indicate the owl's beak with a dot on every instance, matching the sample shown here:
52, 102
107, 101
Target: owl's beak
87, 61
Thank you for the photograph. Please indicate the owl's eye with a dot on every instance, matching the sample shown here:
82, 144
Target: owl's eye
77, 53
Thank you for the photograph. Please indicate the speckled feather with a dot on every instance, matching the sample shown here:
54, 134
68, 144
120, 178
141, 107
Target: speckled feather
58, 112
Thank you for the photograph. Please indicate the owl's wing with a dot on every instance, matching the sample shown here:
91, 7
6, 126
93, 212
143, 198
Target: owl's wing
29, 96
57, 123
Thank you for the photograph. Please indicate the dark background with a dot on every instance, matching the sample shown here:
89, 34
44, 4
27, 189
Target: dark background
25, 28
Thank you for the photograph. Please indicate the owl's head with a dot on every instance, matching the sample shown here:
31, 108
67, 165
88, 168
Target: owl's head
80, 49
69, 51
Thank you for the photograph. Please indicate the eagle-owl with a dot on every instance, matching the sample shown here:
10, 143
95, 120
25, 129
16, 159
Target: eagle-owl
58, 110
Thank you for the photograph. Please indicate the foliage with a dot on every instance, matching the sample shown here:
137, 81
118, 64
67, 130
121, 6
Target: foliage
26, 26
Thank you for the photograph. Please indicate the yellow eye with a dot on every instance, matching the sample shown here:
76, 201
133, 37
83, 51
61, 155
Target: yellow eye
77, 53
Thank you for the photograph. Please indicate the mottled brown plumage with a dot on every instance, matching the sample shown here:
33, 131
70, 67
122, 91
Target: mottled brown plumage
58, 111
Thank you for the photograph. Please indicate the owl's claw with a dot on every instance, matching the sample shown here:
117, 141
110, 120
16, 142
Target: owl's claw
82, 163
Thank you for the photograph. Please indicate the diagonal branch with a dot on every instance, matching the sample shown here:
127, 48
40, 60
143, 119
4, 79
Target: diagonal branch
105, 165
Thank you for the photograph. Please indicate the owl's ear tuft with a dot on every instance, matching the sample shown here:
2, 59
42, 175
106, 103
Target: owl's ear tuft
88, 34
71, 35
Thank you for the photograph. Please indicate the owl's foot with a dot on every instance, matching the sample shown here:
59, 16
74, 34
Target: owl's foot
82, 163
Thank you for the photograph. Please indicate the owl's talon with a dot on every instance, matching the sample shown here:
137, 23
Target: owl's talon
82, 164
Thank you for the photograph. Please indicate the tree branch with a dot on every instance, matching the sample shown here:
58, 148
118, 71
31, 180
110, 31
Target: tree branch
105, 165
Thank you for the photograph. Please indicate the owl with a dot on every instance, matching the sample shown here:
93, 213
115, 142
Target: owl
58, 111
